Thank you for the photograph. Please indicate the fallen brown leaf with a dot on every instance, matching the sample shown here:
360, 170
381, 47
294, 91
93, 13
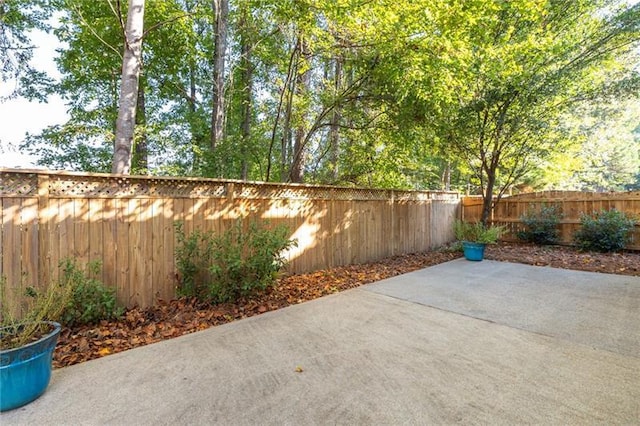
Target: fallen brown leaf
173, 318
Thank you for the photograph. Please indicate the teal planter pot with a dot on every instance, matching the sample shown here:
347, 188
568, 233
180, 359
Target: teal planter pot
473, 251
25, 371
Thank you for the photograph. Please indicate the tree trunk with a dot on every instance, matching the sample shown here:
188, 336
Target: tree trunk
446, 176
246, 68
221, 9
131, 65
487, 194
283, 94
334, 130
286, 129
303, 82
197, 139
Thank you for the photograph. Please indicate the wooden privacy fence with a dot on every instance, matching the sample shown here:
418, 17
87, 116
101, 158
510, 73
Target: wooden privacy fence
127, 223
572, 205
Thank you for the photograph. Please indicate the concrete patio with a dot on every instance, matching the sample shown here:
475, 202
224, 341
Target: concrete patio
461, 342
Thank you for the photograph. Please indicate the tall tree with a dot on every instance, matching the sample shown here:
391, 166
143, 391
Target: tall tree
127, 106
508, 70
221, 10
390, 93
246, 86
334, 130
302, 83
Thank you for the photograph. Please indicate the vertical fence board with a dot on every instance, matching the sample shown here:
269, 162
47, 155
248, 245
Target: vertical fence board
54, 238
123, 251
67, 241
135, 253
158, 265
11, 243
81, 226
97, 208
145, 217
44, 230
110, 243
167, 275
29, 243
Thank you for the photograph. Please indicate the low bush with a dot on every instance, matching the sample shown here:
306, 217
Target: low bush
193, 257
76, 299
91, 301
236, 263
541, 226
605, 231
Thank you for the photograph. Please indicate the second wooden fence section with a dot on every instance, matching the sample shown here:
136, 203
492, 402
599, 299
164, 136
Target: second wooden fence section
571, 204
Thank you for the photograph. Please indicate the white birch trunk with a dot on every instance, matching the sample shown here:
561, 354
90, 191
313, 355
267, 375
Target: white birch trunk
131, 65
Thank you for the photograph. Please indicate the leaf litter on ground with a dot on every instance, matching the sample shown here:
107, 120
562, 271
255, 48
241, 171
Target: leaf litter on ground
169, 319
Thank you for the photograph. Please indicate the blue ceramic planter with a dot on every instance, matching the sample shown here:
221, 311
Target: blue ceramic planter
25, 371
473, 251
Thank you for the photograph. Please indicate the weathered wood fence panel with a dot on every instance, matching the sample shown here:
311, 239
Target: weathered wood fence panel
572, 205
128, 224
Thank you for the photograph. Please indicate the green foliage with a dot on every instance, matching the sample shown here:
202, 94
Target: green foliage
193, 255
542, 226
602, 152
247, 260
18, 19
399, 94
91, 301
605, 231
476, 232
236, 263
36, 307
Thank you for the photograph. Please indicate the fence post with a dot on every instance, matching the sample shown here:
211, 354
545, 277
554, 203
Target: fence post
44, 223
393, 222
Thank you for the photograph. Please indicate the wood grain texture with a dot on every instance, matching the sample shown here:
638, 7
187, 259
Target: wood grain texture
128, 224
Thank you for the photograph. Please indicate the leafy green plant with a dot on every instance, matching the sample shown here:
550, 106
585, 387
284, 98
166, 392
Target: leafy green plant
476, 232
193, 256
76, 299
605, 231
541, 226
247, 260
91, 301
236, 263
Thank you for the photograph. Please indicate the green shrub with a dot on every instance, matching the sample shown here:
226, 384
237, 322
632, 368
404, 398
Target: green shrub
542, 226
240, 261
476, 232
607, 230
91, 301
193, 257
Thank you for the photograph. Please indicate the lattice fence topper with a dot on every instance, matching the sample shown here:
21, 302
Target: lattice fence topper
18, 184
74, 185
119, 186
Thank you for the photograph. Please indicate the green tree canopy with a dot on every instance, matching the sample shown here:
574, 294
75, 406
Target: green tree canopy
470, 94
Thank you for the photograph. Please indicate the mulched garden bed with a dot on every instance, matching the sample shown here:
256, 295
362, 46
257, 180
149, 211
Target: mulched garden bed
138, 327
